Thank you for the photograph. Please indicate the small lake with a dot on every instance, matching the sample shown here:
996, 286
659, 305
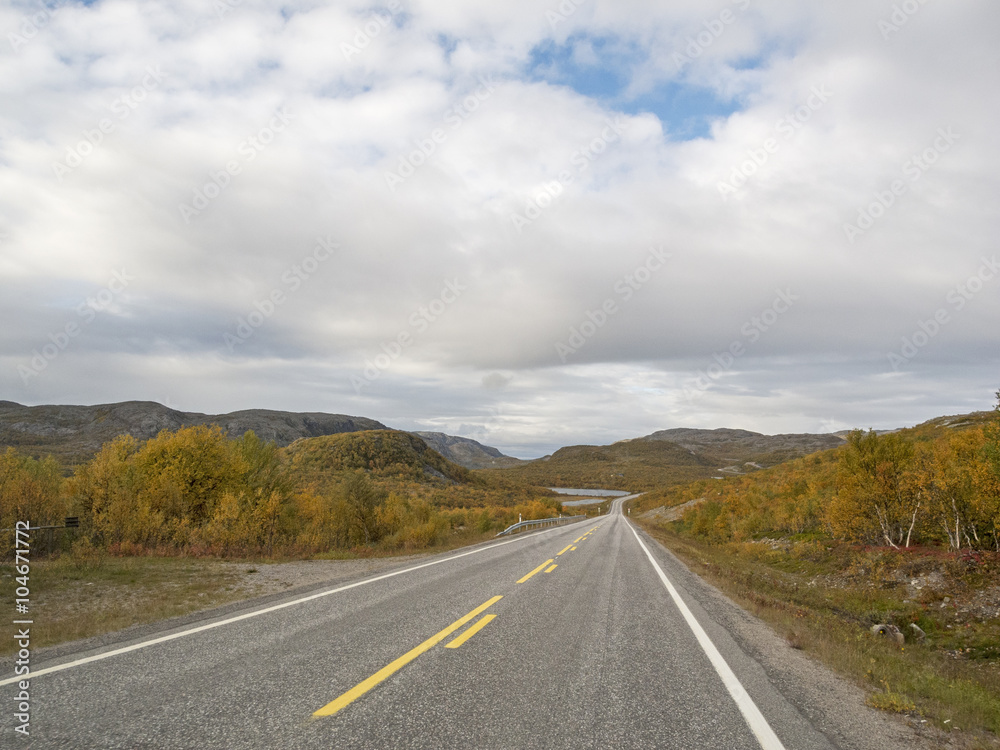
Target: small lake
587, 493
589, 496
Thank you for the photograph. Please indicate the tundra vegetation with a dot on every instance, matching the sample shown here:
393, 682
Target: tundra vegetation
195, 492
898, 529
930, 485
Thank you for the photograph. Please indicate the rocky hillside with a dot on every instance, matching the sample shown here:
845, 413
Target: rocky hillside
320, 461
73, 434
467, 452
739, 451
632, 465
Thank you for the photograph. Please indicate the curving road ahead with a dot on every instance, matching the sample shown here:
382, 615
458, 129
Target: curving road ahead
585, 636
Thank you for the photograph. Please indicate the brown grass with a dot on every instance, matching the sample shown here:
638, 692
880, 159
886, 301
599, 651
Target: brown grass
79, 598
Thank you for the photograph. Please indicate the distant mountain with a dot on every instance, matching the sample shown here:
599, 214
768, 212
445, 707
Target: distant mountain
73, 434
735, 451
667, 457
627, 465
467, 452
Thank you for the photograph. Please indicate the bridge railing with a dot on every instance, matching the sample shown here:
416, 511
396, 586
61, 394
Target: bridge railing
522, 525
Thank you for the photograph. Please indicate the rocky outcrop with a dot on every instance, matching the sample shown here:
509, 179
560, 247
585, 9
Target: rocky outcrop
467, 452
73, 434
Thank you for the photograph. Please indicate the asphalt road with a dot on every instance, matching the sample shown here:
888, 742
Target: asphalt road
566, 638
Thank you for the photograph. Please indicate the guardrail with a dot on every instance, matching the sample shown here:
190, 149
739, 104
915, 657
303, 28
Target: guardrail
47, 543
540, 523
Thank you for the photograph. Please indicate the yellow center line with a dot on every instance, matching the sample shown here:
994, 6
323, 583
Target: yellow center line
568, 546
572, 548
470, 632
575, 541
551, 568
387, 671
536, 570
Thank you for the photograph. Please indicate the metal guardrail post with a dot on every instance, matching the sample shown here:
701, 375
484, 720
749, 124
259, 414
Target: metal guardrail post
539, 522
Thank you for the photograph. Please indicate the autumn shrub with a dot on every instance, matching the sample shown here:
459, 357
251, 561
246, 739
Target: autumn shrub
29, 492
193, 491
898, 490
321, 522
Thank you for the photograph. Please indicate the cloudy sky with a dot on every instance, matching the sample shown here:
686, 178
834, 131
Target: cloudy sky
529, 223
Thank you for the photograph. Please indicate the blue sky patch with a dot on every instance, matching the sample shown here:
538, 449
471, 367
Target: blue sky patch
686, 111
599, 67
602, 68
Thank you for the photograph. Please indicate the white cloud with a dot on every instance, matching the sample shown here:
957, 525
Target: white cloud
356, 116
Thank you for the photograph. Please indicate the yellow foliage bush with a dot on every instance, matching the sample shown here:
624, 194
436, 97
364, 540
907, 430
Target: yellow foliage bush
29, 491
913, 487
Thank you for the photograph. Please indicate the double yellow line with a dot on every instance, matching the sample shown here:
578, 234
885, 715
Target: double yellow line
539, 569
390, 669
568, 548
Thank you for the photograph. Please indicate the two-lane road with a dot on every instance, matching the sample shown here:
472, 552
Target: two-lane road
566, 638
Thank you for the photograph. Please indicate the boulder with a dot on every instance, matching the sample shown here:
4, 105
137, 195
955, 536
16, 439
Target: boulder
889, 631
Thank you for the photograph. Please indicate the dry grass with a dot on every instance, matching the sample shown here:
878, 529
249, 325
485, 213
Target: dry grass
74, 598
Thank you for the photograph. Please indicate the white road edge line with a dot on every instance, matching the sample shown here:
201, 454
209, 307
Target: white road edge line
256, 613
758, 724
